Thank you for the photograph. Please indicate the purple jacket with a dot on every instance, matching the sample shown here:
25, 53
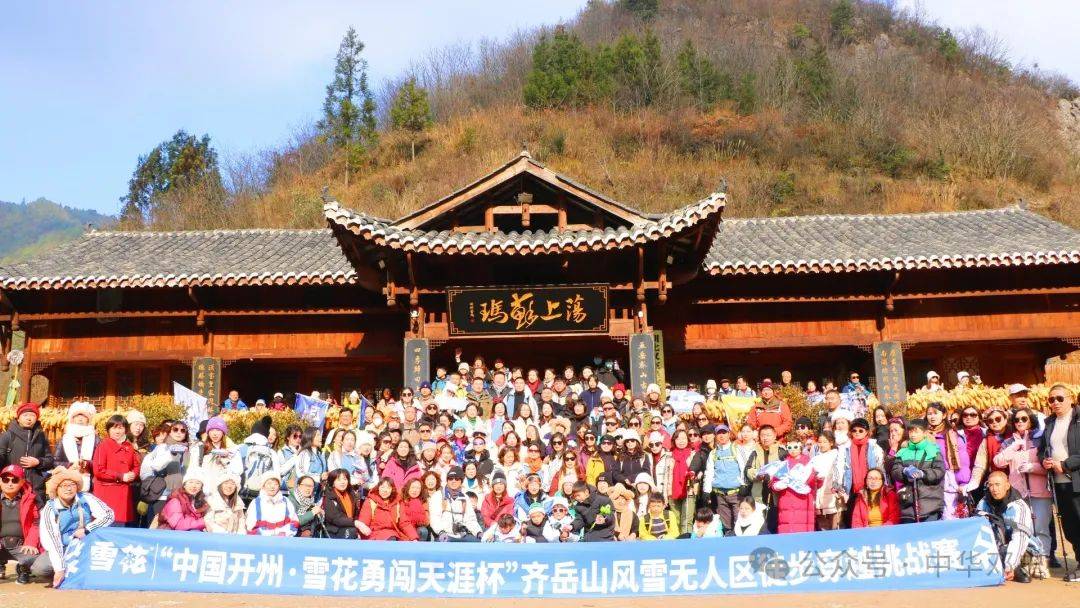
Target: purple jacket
963, 475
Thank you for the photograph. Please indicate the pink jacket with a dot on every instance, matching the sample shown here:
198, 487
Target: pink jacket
178, 514
1026, 473
400, 476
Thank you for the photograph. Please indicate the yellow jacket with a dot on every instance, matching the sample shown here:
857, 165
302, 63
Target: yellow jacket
645, 531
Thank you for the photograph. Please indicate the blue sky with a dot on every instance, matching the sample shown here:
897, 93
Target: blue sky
86, 87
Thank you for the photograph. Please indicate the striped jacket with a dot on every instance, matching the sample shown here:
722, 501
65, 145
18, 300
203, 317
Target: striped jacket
97, 514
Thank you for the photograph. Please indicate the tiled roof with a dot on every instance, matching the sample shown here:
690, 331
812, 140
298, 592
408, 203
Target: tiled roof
383, 233
172, 259
1011, 236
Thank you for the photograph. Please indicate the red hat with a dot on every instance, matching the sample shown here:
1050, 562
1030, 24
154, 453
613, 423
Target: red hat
14, 469
619, 387
29, 406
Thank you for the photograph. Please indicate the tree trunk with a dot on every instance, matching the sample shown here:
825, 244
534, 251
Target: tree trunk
412, 149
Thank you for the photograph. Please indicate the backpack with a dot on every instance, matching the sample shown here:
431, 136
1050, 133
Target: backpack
256, 464
151, 489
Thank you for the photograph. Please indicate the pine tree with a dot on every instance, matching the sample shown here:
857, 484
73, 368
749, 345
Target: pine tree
699, 79
637, 70
411, 112
561, 74
349, 109
842, 22
185, 161
643, 9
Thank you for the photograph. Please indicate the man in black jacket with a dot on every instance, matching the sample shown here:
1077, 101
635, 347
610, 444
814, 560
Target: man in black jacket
1059, 453
594, 515
24, 444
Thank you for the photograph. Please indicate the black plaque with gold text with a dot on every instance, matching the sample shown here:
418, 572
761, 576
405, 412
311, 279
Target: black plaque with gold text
479, 311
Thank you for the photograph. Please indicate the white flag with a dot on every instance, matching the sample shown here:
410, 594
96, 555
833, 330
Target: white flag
193, 402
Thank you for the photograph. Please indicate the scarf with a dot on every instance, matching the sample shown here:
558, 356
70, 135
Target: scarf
77, 452
860, 451
952, 460
750, 526
681, 472
346, 502
534, 464
624, 520
974, 438
303, 505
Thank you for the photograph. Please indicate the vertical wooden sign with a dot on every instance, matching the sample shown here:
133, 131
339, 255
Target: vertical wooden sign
889, 373
417, 362
206, 380
642, 362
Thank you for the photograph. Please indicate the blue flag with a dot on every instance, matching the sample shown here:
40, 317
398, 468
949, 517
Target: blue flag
311, 410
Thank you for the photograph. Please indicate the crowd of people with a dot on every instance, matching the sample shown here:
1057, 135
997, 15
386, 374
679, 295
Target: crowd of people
498, 454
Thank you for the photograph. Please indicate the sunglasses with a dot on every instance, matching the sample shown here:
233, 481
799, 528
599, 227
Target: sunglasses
178, 429
534, 451
635, 423
802, 427
791, 447
971, 414
1022, 419
593, 439
556, 443
667, 411
693, 435
425, 430
703, 420
996, 419
8, 479
656, 445
1056, 399
609, 423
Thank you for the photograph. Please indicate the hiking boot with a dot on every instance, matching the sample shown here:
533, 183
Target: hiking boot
1021, 576
1054, 563
1073, 577
22, 575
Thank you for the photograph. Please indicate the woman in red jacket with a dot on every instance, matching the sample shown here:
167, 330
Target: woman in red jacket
795, 509
414, 500
116, 471
497, 502
877, 503
383, 516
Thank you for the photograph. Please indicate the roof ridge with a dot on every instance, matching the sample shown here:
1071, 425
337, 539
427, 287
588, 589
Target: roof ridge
151, 233
790, 218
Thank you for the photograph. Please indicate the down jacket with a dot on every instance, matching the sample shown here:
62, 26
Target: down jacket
795, 512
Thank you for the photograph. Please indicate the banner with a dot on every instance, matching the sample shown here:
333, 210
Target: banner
527, 310
194, 404
958, 553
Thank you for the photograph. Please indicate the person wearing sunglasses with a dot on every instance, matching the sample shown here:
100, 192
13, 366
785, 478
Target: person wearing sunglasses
1059, 454
998, 429
1019, 455
20, 542
162, 470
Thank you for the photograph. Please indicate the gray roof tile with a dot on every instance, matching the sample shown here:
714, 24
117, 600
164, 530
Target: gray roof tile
1010, 236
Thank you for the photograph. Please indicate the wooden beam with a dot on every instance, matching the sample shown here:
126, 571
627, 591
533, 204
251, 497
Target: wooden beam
542, 209
898, 296
489, 219
166, 314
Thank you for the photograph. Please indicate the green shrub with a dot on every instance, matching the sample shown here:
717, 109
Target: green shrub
240, 422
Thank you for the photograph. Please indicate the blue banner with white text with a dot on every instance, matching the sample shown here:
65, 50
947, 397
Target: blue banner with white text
959, 553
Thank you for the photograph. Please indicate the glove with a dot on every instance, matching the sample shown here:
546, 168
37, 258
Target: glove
910, 472
1025, 467
917, 474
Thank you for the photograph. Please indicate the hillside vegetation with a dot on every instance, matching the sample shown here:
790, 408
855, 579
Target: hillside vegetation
803, 106
29, 228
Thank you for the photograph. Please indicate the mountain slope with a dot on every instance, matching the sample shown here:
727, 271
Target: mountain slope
31, 227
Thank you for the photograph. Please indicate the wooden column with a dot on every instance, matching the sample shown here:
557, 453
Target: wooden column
110, 387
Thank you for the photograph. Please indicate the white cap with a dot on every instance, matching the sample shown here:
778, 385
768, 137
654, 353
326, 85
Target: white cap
462, 367
631, 435
278, 396
656, 437
932, 374
195, 474
652, 388
710, 384
560, 501
315, 395
644, 477
1015, 389
841, 413
363, 437
961, 375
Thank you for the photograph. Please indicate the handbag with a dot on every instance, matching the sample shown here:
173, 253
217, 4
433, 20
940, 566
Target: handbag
151, 489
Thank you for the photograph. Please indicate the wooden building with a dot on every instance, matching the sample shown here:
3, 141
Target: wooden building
532, 266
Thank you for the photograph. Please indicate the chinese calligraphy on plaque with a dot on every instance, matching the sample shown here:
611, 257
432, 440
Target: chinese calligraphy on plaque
528, 310
642, 362
206, 378
889, 373
417, 362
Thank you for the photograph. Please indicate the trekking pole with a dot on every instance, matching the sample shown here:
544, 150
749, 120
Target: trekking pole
1060, 529
915, 497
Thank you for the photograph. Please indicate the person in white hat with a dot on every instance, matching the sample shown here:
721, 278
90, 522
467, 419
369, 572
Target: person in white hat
186, 507
661, 462
1019, 396
963, 381
633, 461
652, 397
226, 514
933, 382
77, 446
271, 513
560, 524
